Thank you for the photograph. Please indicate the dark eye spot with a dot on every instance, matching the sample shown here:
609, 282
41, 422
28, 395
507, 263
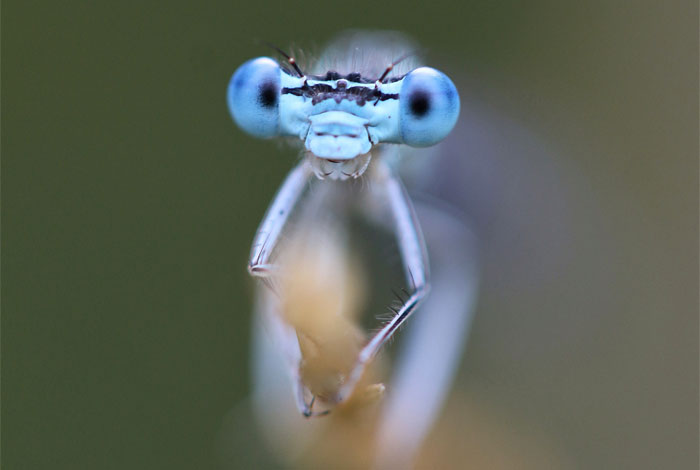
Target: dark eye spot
267, 95
419, 103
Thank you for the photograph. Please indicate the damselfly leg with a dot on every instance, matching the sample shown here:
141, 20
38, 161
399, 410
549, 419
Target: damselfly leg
387, 187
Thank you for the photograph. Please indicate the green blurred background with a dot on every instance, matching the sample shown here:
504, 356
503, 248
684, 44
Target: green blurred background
129, 200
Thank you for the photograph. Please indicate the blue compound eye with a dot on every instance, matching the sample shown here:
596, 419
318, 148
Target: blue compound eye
429, 107
253, 97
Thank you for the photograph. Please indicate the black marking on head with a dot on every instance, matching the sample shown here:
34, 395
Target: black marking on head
344, 91
322, 91
419, 103
267, 95
333, 75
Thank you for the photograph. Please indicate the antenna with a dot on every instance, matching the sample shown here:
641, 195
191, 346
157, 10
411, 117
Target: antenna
290, 59
395, 63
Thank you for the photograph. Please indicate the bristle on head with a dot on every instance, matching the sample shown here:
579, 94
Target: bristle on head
369, 54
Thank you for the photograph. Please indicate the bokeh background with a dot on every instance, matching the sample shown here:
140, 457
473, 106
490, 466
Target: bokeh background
129, 200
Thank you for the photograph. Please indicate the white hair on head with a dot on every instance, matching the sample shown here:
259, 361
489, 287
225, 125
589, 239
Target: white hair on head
369, 53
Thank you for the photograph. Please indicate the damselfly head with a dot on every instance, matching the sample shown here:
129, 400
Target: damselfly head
341, 117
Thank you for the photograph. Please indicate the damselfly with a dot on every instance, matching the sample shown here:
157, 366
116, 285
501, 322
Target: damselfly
356, 111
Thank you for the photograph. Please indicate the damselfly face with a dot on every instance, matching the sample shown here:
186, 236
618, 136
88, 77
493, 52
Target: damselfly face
341, 117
